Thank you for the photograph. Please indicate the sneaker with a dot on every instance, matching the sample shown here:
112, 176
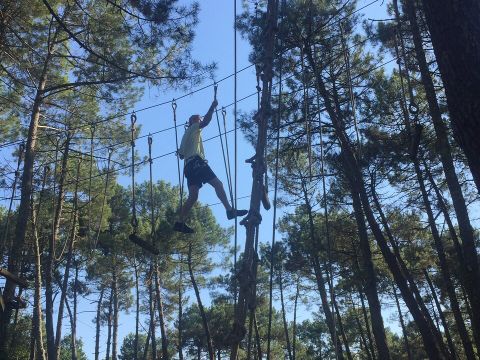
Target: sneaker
183, 228
234, 213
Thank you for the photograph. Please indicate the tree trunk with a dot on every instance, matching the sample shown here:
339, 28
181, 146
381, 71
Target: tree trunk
74, 318
402, 324
455, 35
115, 312
64, 288
470, 277
294, 332
366, 319
211, 354
444, 321
370, 278
252, 220
152, 304
137, 310
97, 323
109, 323
37, 330
163, 327
180, 312
284, 317
352, 168
50, 261
15, 258
326, 307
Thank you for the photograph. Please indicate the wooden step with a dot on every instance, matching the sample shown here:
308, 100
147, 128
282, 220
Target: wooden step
143, 244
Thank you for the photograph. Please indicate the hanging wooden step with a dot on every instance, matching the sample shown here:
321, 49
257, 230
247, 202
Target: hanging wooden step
2, 303
19, 281
143, 244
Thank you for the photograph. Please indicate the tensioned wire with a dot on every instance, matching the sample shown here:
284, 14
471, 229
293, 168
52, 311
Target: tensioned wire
211, 138
90, 123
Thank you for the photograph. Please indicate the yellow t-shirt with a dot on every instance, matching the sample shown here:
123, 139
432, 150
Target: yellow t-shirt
192, 142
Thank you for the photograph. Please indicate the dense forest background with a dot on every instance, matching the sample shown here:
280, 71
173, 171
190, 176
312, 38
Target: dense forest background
365, 138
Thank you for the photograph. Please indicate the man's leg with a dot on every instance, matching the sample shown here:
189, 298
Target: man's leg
180, 225
187, 206
220, 191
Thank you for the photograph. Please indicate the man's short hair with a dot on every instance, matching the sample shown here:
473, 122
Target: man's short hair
191, 118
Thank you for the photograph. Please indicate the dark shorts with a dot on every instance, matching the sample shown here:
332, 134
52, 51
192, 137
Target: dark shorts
198, 172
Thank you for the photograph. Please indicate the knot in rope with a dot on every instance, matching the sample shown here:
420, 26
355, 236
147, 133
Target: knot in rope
174, 105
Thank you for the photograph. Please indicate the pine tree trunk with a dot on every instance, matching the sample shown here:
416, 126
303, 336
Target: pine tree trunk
50, 261
23, 211
455, 35
470, 276
252, 220
370, 278
75, 307
109, 324
115, 312
294, 330
137, 310
444, 321
402, 324
37, 329
163, 327
211, 354
97, 323
325, 305
367, 320
152, 304
66, 275
284, 317
180, 312
352, 169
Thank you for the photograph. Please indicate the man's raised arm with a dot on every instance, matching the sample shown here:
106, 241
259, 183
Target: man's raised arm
208, 116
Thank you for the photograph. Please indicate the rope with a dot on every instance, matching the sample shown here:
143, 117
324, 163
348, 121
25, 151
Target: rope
134, 221
152, 208
107, 177
225, 157
92, 133
180, 181
235, 99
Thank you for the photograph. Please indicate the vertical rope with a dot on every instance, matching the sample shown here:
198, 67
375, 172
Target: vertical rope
152, 207
107, 177
90, 173
235, 84
134, 221
180, 180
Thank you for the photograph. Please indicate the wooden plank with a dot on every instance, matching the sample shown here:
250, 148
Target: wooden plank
2, 303
7, 274
143, 244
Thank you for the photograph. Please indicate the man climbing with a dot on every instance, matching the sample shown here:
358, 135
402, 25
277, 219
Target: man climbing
197, 171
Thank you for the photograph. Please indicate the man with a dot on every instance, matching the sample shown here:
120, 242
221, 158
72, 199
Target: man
197, 171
